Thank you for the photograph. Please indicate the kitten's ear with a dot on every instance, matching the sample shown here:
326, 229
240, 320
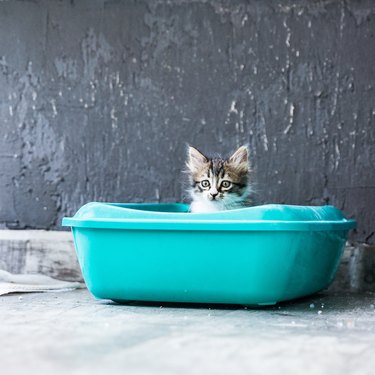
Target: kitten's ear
195, 159
240, 159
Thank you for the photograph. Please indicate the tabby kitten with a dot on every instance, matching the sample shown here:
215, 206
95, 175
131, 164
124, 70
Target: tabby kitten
218, 184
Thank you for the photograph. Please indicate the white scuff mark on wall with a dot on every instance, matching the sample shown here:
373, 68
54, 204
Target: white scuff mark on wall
274, 146
287, 42
337, 155
265, 141
310, 128
244, 19
241, 121
233, 108
34, 95
337, 77
54, 110
288, 33
11, 111
287, 129
93, 86
291, 118
291, 113
335, 93
261, 125
114, 119
342, 17
220, 136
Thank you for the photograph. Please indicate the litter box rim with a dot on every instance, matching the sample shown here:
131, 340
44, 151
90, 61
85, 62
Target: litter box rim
209, 225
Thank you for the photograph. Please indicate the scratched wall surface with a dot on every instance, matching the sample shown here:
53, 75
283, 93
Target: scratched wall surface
98, 98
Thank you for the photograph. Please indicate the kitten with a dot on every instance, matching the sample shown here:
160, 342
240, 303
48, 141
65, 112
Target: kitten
218, 184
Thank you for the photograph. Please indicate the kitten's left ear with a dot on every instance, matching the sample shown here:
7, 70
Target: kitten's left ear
240, 159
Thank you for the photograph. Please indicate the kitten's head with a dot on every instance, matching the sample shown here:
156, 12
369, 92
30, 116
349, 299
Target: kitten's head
223, 183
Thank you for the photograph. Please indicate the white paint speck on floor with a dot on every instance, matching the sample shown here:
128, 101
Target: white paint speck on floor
73, 333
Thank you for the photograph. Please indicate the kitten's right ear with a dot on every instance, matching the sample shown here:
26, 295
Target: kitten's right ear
195, 159
239, 160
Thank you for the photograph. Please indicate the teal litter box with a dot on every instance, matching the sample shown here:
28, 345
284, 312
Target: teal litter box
252, 256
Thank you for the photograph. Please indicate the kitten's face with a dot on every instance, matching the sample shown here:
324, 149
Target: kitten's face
223, 183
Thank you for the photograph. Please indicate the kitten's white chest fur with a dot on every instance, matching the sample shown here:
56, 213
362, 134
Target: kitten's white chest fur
205, 206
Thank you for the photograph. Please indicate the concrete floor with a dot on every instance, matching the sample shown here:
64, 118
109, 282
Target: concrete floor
72, 333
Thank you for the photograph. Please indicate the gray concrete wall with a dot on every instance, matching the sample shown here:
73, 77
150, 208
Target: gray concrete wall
97, 100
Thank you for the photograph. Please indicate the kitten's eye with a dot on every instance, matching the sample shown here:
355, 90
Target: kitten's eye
226, 184
205, 183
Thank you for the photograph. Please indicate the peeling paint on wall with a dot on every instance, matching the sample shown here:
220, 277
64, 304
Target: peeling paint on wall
98, 99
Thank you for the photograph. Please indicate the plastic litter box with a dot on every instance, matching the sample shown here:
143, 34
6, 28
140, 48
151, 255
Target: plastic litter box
252, 256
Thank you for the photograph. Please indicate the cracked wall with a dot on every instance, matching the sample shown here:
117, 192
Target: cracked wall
98, 98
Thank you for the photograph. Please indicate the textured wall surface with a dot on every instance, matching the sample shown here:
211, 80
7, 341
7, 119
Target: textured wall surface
98, 98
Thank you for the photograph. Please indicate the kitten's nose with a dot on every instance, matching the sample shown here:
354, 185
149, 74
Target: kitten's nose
214, 193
